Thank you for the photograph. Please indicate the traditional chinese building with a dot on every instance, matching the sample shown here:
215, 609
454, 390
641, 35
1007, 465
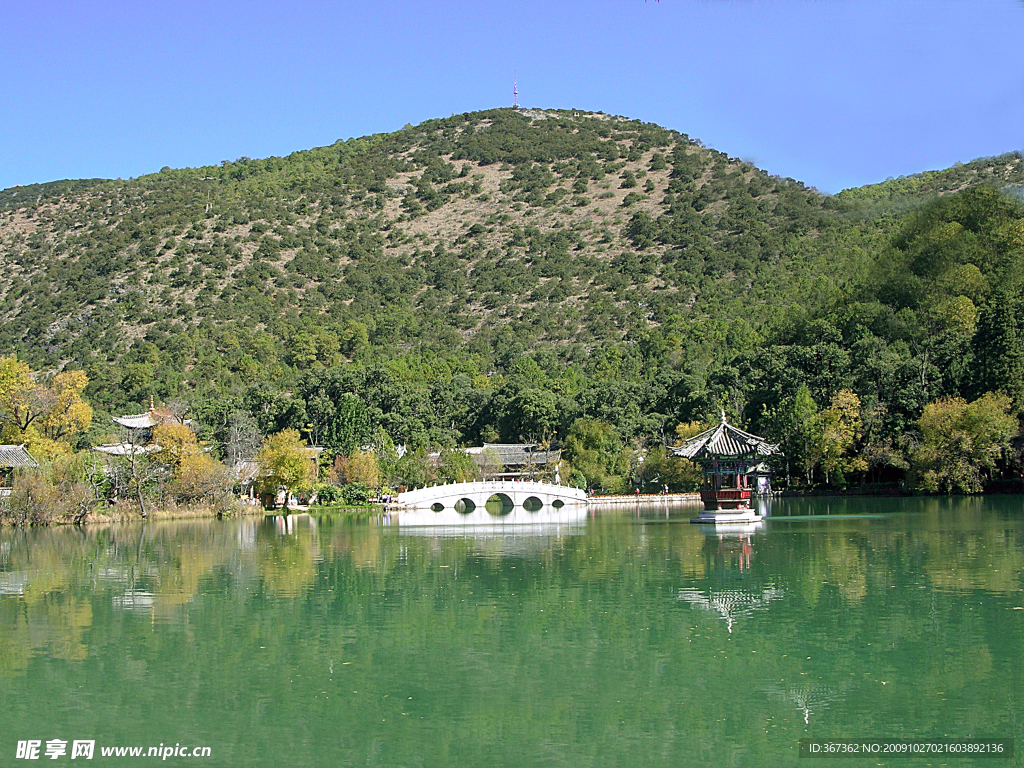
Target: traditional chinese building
515, 461
138, 429
733, 463
13, 457
511, 461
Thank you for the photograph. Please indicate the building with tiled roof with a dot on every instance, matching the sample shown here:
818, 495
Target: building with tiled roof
13, 457
140, 426
733, 463
518, 461
725, 441
146, 420
126, 449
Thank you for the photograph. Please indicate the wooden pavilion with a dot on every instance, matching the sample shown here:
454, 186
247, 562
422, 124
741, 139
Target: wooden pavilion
733, 463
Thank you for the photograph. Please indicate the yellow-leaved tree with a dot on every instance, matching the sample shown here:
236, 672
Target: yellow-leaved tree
837, 429
43, 416
196, 476
687, 429
285, 462
961, 442
363, 467
177, 443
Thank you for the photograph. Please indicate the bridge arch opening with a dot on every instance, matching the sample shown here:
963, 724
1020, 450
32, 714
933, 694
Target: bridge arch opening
437, 506
464, 506
499, 505
558, 504
533, 504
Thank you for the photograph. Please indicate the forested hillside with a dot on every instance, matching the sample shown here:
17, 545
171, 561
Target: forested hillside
530, 274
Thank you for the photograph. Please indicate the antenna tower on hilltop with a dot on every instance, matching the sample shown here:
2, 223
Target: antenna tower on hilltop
515, 90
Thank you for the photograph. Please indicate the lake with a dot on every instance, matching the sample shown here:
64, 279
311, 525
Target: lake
625, 638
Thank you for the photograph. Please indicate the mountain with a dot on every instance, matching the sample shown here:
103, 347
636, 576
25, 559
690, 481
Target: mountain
491, 275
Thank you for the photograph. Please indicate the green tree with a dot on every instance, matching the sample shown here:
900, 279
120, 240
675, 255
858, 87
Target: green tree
346, 423
998, 347
880, 447
457, 466
803, 432
387, 454
327, 494
595, 450
660, 468
414, 470
356, 494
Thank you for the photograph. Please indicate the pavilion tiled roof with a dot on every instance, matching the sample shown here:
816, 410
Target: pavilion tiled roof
725, 441
246, 470
16, 456
126, 449
149, 419
138, 421
515, 454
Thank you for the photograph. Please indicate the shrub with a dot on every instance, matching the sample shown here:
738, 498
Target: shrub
55, 493
356, 494
200, 477
328, 494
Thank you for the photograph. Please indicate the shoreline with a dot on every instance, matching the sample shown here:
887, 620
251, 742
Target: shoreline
130, 513
638, 498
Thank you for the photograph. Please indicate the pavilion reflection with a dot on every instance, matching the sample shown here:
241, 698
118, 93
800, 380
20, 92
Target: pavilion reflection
808, 698
730, 549
134, 600
730, 589
731, 603
289, 525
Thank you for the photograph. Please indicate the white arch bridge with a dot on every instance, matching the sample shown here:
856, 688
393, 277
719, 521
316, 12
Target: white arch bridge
467, 497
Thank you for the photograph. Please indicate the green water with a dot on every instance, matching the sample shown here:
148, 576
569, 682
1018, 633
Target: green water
629, 639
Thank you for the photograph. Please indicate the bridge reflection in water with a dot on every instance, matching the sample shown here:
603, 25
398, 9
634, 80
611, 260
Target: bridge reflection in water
483, 519
500, 503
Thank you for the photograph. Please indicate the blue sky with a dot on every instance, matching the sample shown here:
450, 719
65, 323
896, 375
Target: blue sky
836, 93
